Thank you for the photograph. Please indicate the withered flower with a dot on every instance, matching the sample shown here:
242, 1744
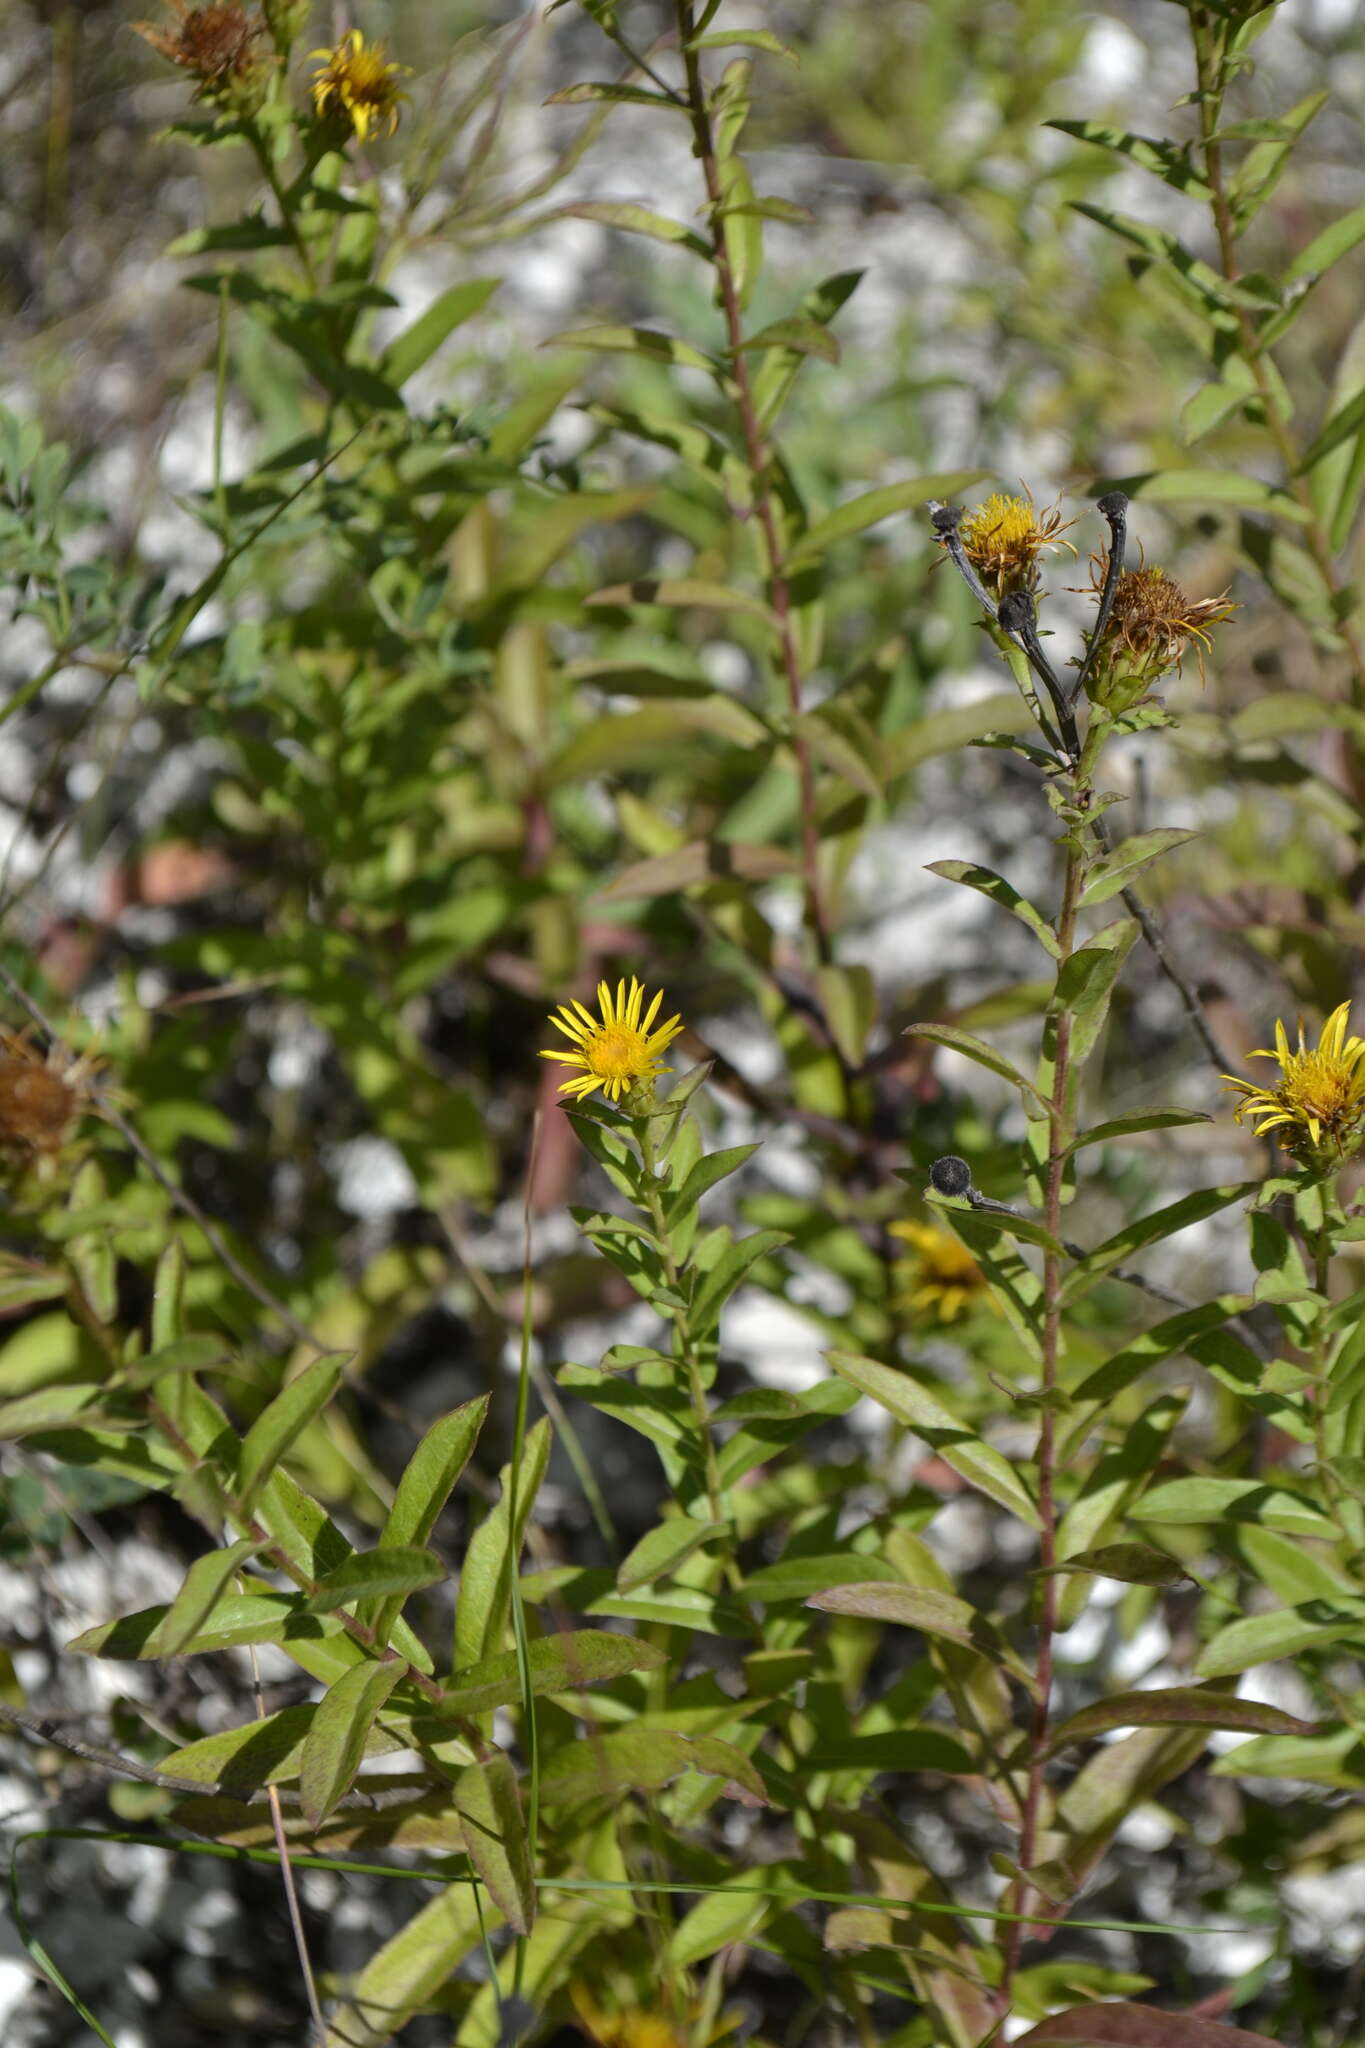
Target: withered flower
41, 1097
217, 45
1149, 631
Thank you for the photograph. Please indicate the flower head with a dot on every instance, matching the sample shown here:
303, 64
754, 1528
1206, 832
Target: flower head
940, 1278
1319, 1102
216, 44
1148, 631
617, 1051
41, 1097
358, 84
1003, 539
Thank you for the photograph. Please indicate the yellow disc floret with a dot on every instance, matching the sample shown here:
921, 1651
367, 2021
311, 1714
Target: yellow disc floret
1319, 1101
618, 1050
1003, 538
359, 84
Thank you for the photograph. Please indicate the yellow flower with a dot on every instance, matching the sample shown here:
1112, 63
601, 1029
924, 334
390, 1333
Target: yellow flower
941, 1277
357, 83
1151, 623
1320, 1098
618, 1052
1003, 539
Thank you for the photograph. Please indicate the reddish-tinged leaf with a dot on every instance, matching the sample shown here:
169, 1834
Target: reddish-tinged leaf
1135, 2026
1176, 1706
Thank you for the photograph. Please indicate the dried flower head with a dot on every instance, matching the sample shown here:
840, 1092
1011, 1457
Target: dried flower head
217, 45
940, 1279
358, 84
1318, 1104
1149, 630
1003, 539
41, 1096
618, 1051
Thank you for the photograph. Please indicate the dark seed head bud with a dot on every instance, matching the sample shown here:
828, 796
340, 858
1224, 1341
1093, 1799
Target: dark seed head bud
1016, 613
944, 518
950, 1176
1114, 506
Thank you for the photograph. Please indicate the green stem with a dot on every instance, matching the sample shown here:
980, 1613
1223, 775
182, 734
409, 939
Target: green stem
684, 1348
1059, 1136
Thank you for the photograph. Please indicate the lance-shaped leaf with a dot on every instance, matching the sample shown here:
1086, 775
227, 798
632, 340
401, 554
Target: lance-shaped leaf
1153, 1229
684, 593
1132, 1122
810, 1578
1117, 1477
416, 345
918, 1409
1136, 1564
428, 1481
556, 1663
1163, 1340
485, 1796
644, 1760
206, 1582
1116, 870
871, 507
1172, 162
1335, 1758
335, 1743
932, 1613
378, 1574
949, 1036
1175, 1706
1134, 2026
638, 341
1012, 1281
636, 220
988, 883
1191, 1501
485, 1594
700, 864
283, 1422
1284, 1632
707, 1173
237, 1619
660, 1553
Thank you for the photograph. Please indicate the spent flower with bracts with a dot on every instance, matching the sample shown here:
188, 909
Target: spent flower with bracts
1149, 631
619, 1050
42, 1095
1317, 1107
358, 84
1003, 538
218, 46
939, 1280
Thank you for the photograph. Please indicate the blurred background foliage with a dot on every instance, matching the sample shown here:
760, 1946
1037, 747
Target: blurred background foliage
331, 759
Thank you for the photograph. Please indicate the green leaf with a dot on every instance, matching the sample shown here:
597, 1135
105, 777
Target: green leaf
707, 1173
919, 1607
1337, 1758
334, 1746
614, 95
685, 592
1133, 2026
1116, 1477
419, 341
1343, 423
1153, 1229
659, 1553
1116, 870
643, 1760
958, 1446
205, 1584
723, 1917
747, 38
386, 1574
977, 1049
1284, 1632
717, 1283
1161, 1341
485, 1591
869, 509
990, 721
428, 1481
848, 1002
1133, 1121
1178, 1706
1329, 247
240, 1619
282, 1423
801, 1578
1207, 487
557, 1663
797, 332
636, 220
1135, 1564
988, 883
1169, 161
636, 341
485, 1796
1193, 1501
